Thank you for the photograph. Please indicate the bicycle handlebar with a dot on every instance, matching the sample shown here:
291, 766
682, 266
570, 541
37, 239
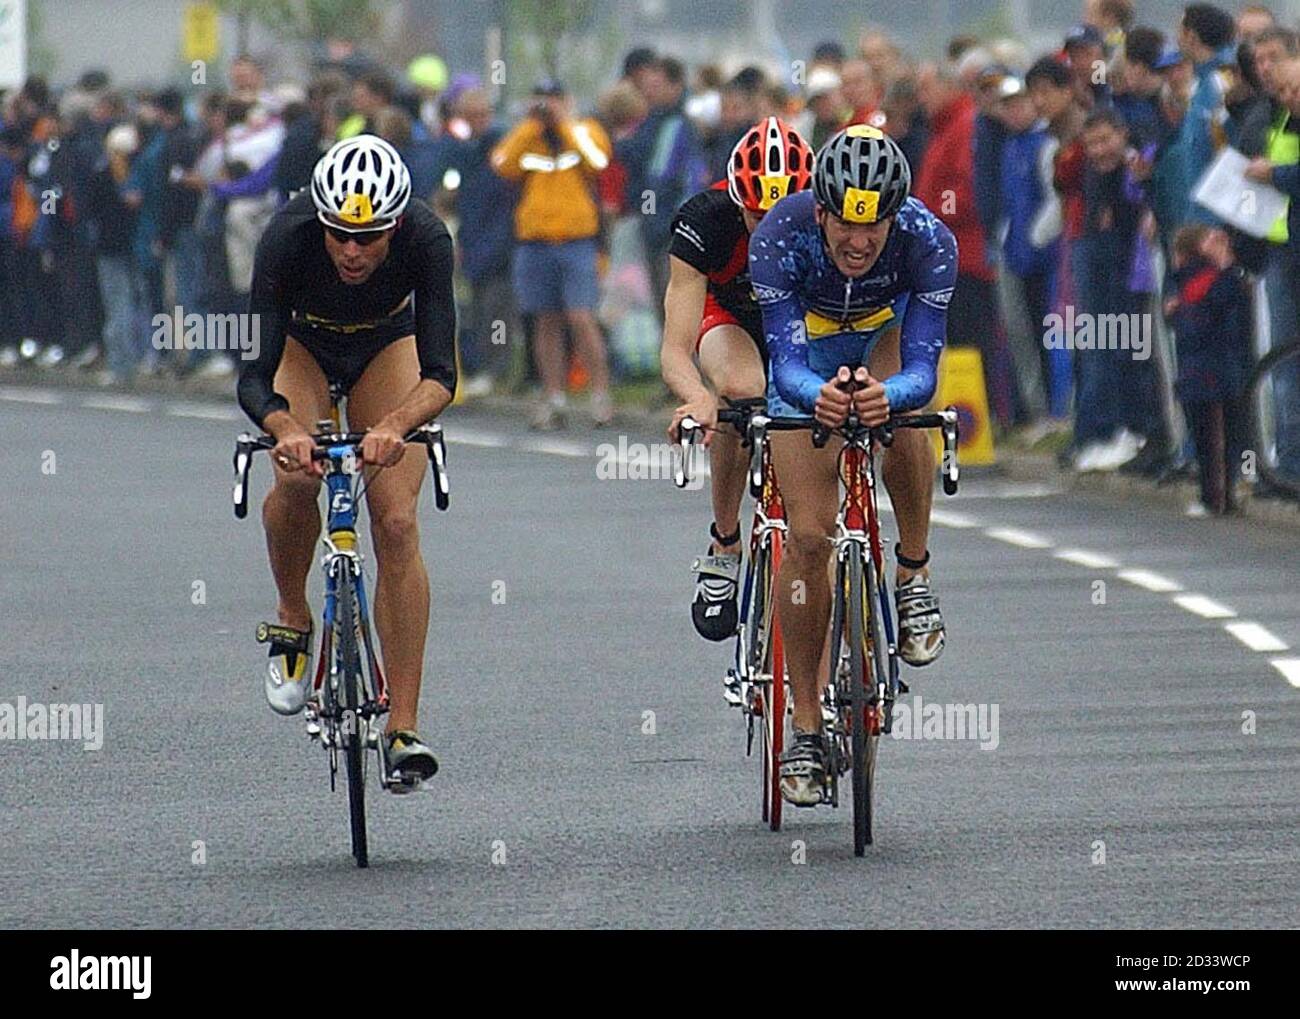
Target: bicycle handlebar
430, 435
758, 425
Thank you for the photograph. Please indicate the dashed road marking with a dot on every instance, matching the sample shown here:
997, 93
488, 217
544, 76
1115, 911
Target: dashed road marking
1150, 581
203, 411
949, 518
130, 404
1205, 607
1017, 537
1256, 637
17, 394
1290, 669
556, 447
1082, 557
476, 439
1015, 490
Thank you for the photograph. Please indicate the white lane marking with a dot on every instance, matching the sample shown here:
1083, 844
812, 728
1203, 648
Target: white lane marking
1290, 669
1017, 537
130, 404
1082, 557
1013, 490
20, 395
1208, 608
1256, 637
477, 439
947, 518
1150, 581
203, 411
555, 447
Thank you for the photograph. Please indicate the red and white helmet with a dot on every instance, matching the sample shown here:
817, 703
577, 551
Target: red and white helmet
769, 162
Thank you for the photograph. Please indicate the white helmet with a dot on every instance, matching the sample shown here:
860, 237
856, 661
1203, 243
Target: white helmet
360, 184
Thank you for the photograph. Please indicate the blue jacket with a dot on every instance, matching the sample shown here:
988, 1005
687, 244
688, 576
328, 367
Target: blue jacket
676, 171
427, 159
663, 156
1021, 199
146, 177
1201, 124
485, 202
1142, 115
1212, 330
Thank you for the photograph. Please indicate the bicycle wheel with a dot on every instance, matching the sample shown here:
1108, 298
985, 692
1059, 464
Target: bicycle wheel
862, 736
772, 663
353, 738
1275, 400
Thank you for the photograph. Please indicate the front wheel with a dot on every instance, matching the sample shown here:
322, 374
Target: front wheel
862, 705
353, 738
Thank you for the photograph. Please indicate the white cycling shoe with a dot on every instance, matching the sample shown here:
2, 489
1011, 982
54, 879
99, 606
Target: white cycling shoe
288, 674
803, 770
920, 625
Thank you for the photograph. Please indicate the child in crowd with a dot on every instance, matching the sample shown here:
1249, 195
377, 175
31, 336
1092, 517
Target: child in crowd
1208, 306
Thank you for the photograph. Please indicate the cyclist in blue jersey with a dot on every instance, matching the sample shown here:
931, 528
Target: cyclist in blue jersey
853, 279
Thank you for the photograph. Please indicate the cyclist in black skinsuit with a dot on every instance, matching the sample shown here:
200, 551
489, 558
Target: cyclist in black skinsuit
298, 291
352, 284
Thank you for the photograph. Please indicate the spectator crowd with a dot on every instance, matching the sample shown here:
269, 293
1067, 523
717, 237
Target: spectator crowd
1110, 307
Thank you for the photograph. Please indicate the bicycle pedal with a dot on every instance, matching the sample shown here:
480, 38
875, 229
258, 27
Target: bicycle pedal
400, 785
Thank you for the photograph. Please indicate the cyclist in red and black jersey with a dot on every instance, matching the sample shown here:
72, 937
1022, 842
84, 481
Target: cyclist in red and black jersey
713, 344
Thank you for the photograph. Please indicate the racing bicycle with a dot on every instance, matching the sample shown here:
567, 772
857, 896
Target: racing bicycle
756, 682
345, 713
864, 683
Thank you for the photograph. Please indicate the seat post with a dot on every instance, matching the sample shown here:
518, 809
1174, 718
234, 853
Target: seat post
337, 395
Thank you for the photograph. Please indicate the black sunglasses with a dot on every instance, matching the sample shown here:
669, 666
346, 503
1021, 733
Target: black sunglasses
364, 238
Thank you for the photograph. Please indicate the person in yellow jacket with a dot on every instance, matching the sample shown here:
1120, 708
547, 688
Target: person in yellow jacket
557, 159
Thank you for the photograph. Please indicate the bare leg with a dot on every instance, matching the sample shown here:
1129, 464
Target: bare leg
731, 363
401, 600
809, 484
591, 346
291, 512
548, 348
908, 468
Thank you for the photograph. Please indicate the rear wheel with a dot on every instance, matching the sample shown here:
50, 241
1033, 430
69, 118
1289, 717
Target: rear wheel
352, 736
1275, 400
774, 666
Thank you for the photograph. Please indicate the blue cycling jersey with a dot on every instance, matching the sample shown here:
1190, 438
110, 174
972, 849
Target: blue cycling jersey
817, 319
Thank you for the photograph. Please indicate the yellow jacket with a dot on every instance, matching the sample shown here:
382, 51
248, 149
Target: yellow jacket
556, 204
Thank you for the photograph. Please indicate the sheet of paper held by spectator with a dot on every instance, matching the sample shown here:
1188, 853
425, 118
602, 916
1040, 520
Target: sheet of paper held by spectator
1246, 204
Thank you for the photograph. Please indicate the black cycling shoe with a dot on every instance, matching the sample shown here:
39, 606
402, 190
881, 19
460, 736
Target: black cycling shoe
714, 611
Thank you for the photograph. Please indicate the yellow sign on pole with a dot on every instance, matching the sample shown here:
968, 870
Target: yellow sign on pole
202, 31
961, 385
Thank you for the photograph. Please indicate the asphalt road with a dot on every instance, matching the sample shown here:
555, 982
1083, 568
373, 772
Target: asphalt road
1122, 790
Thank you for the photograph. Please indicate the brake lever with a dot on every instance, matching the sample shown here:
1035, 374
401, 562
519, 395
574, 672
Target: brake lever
436, 446
688, 433
757, 434
951, 436
243, 459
